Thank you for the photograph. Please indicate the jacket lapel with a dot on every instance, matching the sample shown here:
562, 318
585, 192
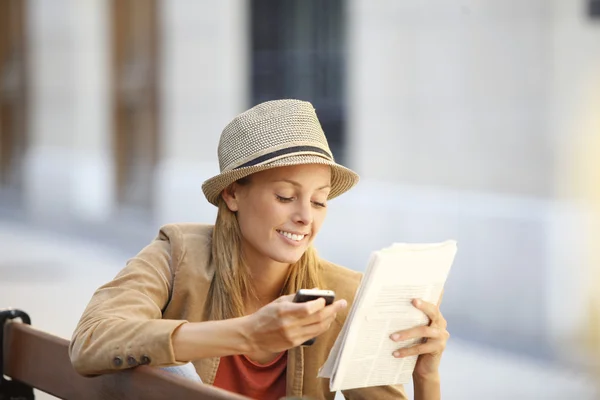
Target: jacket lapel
207, 369
294, 373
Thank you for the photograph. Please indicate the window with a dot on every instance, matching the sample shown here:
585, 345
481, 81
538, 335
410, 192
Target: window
594, 8
298, 51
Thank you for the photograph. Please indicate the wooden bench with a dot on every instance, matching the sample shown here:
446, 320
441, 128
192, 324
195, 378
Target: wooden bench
35, 359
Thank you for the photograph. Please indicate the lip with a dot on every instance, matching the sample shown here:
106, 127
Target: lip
290, 241
292, 232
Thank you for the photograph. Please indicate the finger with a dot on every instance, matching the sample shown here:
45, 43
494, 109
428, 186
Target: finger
332, 308
432, 346
328, 311
303, 310
315, 324
339, 305
418, 332
431, 310
286, 298
312, 318
316, 328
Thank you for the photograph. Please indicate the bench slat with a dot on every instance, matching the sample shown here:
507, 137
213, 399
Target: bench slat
42, 361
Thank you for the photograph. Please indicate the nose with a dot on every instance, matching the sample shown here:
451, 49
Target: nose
304, 213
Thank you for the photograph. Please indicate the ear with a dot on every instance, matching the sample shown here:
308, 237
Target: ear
229, 196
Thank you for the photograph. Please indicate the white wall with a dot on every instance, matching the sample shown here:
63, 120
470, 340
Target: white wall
205, 84
68, 165
575, 123
451, 93
459, 117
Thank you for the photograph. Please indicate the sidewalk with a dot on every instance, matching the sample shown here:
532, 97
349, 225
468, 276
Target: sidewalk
52, 277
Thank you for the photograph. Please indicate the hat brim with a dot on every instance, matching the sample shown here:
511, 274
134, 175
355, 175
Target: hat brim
342, 178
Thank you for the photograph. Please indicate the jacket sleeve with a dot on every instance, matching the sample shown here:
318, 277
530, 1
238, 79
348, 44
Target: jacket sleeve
122, 325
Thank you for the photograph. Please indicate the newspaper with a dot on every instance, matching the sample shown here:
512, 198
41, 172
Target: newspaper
362, 353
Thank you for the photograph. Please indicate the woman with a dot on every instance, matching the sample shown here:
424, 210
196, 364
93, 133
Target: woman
221, 296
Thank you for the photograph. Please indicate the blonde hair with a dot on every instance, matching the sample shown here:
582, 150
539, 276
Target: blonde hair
232, 283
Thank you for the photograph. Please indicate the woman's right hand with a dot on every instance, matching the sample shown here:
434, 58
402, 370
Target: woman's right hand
283, 324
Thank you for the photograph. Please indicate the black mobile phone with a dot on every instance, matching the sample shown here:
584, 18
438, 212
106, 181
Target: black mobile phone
304, 295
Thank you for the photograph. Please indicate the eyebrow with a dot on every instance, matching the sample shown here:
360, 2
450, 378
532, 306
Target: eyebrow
297, 184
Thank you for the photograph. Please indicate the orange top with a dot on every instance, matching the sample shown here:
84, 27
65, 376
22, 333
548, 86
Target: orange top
241, 375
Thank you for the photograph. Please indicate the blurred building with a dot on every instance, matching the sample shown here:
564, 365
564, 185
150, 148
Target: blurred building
458, 115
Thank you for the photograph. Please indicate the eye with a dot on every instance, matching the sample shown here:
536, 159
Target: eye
320, 205
284, 199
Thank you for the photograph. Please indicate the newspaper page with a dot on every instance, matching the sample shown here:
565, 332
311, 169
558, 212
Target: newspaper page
362, 353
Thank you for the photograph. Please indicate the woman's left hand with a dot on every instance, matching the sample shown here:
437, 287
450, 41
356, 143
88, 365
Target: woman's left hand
430, 351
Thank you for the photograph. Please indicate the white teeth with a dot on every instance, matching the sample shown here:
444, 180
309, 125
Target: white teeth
292, 236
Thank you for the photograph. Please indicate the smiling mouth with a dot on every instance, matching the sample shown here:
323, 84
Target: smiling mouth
292, 236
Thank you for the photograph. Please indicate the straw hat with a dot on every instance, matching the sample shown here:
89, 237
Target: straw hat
274, 134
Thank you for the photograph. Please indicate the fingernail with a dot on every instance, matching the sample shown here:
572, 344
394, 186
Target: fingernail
417, 302
343, 303
396, 354
395, 337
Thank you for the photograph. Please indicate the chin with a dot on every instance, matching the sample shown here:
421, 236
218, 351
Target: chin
288, 258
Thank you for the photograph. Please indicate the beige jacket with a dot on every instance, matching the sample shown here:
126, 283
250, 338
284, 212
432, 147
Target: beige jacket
130, 320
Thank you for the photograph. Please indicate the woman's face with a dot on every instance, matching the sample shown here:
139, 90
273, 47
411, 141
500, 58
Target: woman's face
280, 211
